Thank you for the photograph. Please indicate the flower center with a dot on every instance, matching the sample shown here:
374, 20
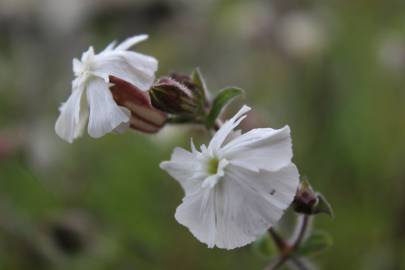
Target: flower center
87, 67
213, 165
215, 169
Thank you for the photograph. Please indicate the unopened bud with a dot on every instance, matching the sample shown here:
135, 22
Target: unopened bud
198, 89
305, 199
185, 80
144, 116
309, 202
171, 96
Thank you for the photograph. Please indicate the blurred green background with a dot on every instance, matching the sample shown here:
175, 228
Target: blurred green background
332, 70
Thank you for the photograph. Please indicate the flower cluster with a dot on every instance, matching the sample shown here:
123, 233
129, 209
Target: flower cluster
236, 188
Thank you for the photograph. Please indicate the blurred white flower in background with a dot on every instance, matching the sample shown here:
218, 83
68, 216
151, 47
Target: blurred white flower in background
93, 73
12, 8
170, 134
391, 52
302, 34
60, 17
238, 186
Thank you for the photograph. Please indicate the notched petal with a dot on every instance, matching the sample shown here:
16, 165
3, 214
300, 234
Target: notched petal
70, 121
105, 114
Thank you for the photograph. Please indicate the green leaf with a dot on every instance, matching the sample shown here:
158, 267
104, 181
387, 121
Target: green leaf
264, 247
323, 206
199, 81
221, 100
316, 243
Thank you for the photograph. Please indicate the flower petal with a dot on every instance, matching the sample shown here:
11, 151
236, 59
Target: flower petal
279, 187
142, 62
262, 148
129, 42
221, 135
122, 66
83, 117
121, 128
105, 114
197, 213
77, 66
240, 208
186, 169
72, 118
250, 203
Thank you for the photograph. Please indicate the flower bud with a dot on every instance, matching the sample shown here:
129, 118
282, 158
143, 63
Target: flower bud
196, 86
171, 96
185, 80
309, 202
144, 117
305, 199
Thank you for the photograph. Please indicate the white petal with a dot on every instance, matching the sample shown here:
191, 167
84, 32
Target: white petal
129, 42
210, 181
185, 168
197, 213
251, 203
72, 117
193, 148
105, 114
121, 128
88, 55
278, 187
221, 135
241, 207
232, 135
83, 117
118, 65
262, 148
141, 62
77, 66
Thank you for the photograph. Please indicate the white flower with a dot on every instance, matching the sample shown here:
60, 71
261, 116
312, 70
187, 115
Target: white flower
238, 186
93, 73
